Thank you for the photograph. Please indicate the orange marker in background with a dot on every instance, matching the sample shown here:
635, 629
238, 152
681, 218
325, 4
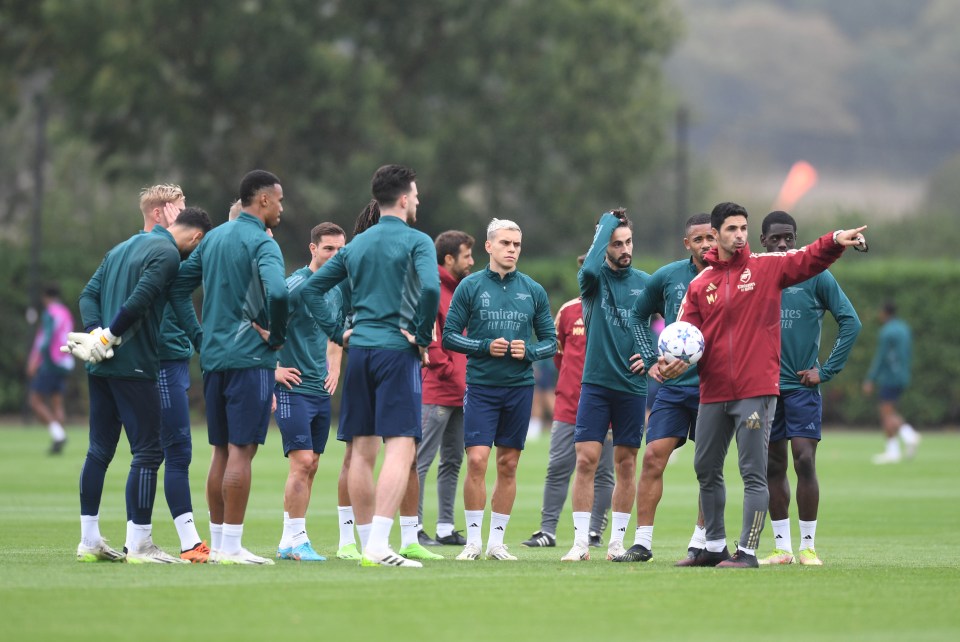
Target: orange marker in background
800, 179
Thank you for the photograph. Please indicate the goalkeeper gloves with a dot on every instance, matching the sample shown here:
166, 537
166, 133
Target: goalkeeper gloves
91, 347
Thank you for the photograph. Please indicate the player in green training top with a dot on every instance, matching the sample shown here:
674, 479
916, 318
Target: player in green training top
241, 269
613, 394
673, 417
800, 406
128, 289
499, 308
890, 372
303, 397
395, 292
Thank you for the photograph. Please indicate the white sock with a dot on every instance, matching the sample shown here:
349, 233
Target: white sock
906, 432
408, 530
644, 537
187, 530
57, 433
748, 551
534, 428
808, 534
363, 530
781, 534
90, 530
298, 531
619, 529
715, 545
285, 535
379, 541
444, 530
893, 447
699, 537
498, 528
474, 527
137, 534
232, 536
581, 527
345, 513
216, 536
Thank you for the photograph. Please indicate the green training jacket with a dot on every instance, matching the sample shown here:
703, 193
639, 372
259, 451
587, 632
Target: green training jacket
241, 269
491, 307
134, 275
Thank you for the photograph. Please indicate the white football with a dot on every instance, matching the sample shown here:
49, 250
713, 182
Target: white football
681, 340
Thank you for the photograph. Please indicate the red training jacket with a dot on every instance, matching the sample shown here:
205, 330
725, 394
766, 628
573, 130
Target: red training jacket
572, 338
445, 379
736, 305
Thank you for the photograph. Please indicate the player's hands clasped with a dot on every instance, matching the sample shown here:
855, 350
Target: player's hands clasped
499, 347
92, 347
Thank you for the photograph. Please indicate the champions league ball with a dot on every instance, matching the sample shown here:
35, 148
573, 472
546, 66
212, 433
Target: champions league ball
680, 340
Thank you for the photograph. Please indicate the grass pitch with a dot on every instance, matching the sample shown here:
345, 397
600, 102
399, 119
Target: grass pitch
888, 536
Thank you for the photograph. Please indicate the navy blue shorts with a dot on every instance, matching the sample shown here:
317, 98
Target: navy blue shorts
674, 414
130, 404
889, 393
652, 387
49, 381
238, 405
381, 394
799, 413
600, 408
304, 420
173, 381
494, 415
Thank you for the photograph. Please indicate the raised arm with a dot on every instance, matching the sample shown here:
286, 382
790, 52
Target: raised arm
589, 274
809, 261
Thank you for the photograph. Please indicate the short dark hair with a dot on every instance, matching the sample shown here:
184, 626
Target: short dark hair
889, 308
621, 213
253, 182
369, 217
723, 211
390, 182
51, 291
194, 217
325, 229
777, 217
697, 219
449, 242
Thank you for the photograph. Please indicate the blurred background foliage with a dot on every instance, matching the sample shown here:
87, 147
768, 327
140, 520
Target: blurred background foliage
545, 113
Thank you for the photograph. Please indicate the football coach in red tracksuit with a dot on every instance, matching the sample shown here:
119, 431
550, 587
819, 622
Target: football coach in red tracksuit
735, 302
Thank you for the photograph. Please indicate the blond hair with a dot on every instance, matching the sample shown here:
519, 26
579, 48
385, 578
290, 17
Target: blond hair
158, 196
498, 224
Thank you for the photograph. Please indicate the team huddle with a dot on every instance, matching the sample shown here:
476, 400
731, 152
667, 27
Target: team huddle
440, 359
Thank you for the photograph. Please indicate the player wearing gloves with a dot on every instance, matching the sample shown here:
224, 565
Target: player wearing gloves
129, 288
